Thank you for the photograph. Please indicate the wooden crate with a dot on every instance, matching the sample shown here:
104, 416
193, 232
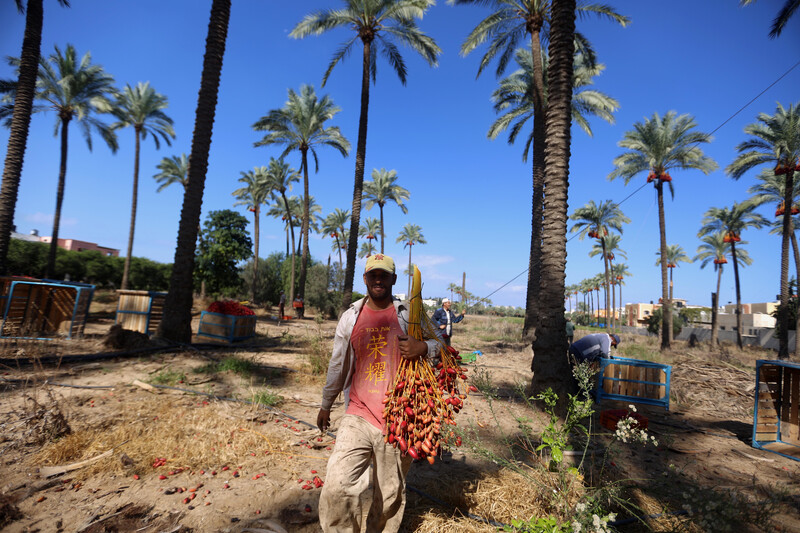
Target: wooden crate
43, 309
776, 415
227, 327
140, 310
635, 381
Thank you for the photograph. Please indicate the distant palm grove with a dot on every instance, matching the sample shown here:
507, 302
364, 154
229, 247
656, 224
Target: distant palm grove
549, 89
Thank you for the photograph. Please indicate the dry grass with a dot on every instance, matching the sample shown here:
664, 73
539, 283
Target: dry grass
499, 495
192, 433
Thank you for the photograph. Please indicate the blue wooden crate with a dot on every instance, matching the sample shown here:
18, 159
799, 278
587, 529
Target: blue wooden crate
228, 327
634, 381
43, 309
776, 424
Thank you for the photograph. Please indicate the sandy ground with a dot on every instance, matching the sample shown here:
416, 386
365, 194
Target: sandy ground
230, 466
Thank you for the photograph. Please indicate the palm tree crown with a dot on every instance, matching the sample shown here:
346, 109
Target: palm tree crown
142, 108
513, 20
173, 169
513, 98
374, 22
675, 254
660, 145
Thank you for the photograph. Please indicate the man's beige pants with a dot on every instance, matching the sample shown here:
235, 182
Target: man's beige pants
359, 444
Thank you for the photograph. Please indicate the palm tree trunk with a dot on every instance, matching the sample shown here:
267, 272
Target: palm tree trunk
714, 313
550, 366
301, 288
608, 281
783, 309
797, 312
620, 295
134, 201
20, 124
666, 304
408, 294
62, 177
291, 227
358, 185
257, 231
380, 207
613, 298
739, 342
538, 170
339, 248
176, 324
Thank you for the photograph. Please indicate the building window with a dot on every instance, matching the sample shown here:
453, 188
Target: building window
646, 313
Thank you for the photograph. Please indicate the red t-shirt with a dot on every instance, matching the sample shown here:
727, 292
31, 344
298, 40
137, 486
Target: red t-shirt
377, 358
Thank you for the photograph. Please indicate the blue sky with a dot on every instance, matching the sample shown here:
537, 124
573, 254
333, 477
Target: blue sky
470, 195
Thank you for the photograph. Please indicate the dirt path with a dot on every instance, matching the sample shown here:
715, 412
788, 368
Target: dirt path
231, 465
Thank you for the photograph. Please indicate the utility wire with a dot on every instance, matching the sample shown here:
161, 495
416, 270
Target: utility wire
745, 106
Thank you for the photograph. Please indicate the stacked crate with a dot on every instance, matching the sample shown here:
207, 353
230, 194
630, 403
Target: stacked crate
635, 381
140, 310
43, 309
776, 416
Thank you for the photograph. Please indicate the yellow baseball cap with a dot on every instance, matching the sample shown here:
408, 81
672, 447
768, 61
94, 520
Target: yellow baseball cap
380, 261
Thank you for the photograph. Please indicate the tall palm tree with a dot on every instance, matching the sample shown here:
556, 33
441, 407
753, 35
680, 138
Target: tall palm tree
619, 272
290, 213
377, 23
675, 254
253, 195
300, 126
383, 189
732, 222
367, 249
369, 229
281, 177
333, 225
550, 367
77, 90
777, 229
173, 169
775, 141
453, 288
608, 247
789, 8
713, 250
24, 94
510, 22
142, 108
176, 325
659, 145
595, 221
410, 235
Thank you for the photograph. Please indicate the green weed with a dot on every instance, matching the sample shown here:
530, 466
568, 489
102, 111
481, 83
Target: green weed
168, 377
267, 398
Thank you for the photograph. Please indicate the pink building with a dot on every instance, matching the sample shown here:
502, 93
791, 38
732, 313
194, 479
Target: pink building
80, 246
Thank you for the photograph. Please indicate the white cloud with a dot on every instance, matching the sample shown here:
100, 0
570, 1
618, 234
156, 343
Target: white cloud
47, 218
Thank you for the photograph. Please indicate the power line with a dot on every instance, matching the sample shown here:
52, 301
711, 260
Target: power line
745, 106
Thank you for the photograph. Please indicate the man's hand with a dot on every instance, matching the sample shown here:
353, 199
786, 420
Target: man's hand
442, 326
464, 312
323, 420
411, 348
